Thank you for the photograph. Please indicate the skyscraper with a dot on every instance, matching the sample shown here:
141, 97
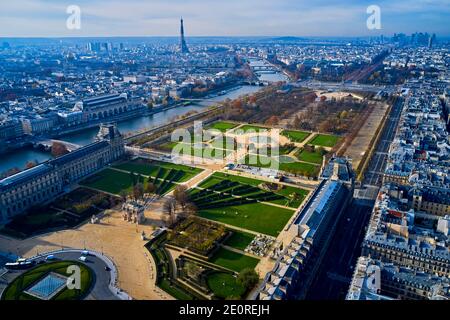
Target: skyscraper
183, 46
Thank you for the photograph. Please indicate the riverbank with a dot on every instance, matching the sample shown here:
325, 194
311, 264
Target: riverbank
17, 158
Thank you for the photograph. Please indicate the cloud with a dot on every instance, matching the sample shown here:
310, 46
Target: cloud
222, 18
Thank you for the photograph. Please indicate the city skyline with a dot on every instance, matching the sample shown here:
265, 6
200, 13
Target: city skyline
325, 18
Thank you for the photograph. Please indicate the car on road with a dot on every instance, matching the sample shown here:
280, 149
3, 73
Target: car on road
107, 268
50, 258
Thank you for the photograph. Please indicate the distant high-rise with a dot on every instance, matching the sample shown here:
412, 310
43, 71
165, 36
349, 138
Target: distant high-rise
183, 46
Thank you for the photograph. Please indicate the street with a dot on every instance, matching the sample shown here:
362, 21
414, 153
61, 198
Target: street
374, 173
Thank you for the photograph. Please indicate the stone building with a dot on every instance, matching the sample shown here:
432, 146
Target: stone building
109, 106
315, 225
44, 182
375, 280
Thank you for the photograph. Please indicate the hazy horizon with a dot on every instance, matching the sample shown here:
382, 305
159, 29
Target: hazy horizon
233, 18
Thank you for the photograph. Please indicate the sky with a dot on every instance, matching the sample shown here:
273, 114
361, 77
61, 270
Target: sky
47, 18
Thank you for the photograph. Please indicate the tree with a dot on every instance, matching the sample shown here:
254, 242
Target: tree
10, 172
169, 211
273, 120
322, 151
59, 149
248, 278
138, 191
191, 209
237, 104
31, 164
150, 187
123, 195
297, 122
180, 195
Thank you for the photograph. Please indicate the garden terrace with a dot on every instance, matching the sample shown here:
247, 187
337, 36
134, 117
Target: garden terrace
282, 150
210, 279
65, 212
165, 271
195, 277
283, 163
113, 181
295, 136
222, 126
220, 182
325, 140
238, 239
225, 142
197, 235
151, 167
224, 285
205, 152
311, 154
121, 178
233, 260
246, 203
256, 217
247, 128
83, 201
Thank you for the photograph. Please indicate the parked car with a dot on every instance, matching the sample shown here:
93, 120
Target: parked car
50, 258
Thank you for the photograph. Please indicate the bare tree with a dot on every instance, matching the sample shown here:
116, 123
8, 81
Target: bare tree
169, 211
31, 164
150, 188
123, 194
191, 209
138, 191
181, 196
59, 149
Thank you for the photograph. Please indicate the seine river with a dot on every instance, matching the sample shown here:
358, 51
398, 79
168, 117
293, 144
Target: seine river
19, 158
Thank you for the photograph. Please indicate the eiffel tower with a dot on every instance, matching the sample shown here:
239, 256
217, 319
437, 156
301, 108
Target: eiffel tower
183, 46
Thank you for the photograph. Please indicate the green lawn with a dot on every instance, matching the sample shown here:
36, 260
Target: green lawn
285, 191
150, 168
246, 128
174, 290
219, 176
168, 146
233, 261
307, 156
224, 285
295, 136
292, 167
239, 240
301, 168
222, 126
15, 290
224, 143
262, 161
206, 152
256, 217
282, 150
325, 140
111, 181
288, 191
